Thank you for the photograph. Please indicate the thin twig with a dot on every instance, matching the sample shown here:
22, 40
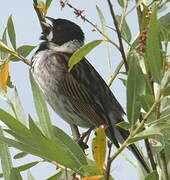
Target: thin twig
78, 13
118, 35
148, 149
39, 14
163, 164
150, 154
108, 168
113, 76
135, 131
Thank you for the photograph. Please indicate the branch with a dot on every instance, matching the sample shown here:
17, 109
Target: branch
133, 133
108, 167
118, 35
40, 15
163, 165
78, 13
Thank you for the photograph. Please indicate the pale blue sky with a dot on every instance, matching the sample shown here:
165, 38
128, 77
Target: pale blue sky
28, 32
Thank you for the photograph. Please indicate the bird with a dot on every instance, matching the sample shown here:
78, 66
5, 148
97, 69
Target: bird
80, 96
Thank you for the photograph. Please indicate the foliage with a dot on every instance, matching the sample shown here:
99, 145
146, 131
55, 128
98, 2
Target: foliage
147, 83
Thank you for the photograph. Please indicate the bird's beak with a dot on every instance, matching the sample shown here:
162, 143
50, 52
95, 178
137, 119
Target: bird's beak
46, 27
50, 18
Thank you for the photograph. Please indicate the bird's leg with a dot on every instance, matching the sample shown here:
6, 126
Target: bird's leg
82, 141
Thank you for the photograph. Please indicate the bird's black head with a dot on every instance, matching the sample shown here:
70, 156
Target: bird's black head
62, 31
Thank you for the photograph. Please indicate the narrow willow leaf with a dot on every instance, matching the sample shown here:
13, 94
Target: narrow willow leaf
92, 169
154, 129
101, 16
48, 3
125, 30
4, 73
15, 174
30, 176
9, 82
59, 151
24, 51
20, 155
164, 25
103, 27
17, 109
124, 125
152, 176
6, 162
41, 108
154, 59
27, 166
14, 124
55, 176
69, 145
121, 3
11, 32
83, 51
99, 147
5, 48
147, 101
4, 40
135, 88
24, 147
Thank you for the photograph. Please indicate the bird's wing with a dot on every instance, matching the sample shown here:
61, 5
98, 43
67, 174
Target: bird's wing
90, 95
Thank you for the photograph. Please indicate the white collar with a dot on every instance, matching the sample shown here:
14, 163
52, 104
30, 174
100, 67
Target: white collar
68, 47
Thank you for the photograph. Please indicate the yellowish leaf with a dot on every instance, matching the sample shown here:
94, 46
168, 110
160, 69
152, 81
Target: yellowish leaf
42, 9
99, 147
92, 178
4, 73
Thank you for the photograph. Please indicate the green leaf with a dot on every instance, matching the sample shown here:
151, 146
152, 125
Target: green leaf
30, 176
41, 109
103, 27
9, 82
13, 124
4, 40
153, 128
147, 101
6, 162
20, 155
92, 170
5, 48
24, 147
124, 125
15, 174
48, 3
17, 109
55, 176
69, 145
83, 51
121, 3
102, 18
27, 166
11, 32
125, 30
154, 59
164, 24
59, 151
24, 51
165, 106
152, 176
135, 88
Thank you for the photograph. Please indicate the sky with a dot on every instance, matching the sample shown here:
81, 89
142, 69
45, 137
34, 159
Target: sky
28, 32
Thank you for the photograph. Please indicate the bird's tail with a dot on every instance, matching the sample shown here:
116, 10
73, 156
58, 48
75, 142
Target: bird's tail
120, 135
139, 157
124, 134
